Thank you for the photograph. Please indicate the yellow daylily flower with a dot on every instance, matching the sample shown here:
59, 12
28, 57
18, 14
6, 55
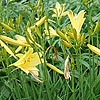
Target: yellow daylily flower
59, 10
94, 49
77, 20
28, 62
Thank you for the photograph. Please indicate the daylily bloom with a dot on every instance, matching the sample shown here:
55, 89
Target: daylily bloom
28, 63
76, 20
59, 10
66, 72
94, 49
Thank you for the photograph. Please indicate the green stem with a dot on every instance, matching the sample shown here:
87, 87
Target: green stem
93, 64
97, 56
78, 68
45, 73
73, 88
81, 76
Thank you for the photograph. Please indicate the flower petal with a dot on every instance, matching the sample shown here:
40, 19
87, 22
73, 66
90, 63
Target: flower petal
35, 60
58, 7
21, 38
72, 18
23, 59
77, 21
80, 20
54, 10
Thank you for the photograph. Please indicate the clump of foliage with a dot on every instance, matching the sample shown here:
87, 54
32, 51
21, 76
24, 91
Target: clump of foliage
49, 50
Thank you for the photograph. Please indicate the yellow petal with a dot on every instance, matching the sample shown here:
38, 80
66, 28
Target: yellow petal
80, 20
64, 13
24, 69
23, 59
62, 10
54, 10
52, 32
19, 55
35, 60
72, 19
27, 69
7, 49
30, 63
21, 38
97, 27
94, 49
76, 21
54, 15
58, 7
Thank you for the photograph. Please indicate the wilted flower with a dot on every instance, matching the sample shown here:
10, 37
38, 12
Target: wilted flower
66, 69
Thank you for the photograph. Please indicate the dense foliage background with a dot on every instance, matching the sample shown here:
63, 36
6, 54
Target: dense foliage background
84, 65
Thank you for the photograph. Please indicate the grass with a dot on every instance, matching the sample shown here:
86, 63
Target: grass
84, 65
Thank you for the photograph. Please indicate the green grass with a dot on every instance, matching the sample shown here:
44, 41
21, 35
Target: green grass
84, 65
